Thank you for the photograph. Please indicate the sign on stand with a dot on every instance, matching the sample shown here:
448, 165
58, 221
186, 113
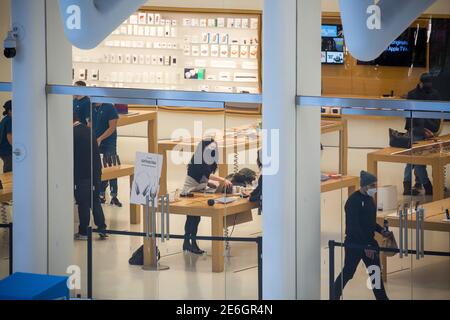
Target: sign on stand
147, 175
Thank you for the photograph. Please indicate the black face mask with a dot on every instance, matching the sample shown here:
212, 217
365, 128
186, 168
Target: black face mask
213, 153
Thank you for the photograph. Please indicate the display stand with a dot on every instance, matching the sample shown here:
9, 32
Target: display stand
151, 262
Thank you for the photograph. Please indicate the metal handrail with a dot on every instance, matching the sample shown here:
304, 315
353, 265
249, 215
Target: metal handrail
5, 86
129, 93
367, 104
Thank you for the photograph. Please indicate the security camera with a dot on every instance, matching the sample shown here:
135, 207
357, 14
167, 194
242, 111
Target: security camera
10, 45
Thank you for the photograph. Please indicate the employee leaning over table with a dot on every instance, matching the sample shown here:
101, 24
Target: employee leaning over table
360, 228
104, 122
200, 174
6, 137
421, 129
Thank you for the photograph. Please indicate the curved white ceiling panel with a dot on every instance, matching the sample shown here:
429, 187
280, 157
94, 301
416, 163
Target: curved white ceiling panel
371, 26
89, 22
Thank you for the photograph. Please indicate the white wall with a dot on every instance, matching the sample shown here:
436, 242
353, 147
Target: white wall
440, 7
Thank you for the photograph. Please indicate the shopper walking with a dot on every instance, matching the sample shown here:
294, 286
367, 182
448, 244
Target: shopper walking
360, 228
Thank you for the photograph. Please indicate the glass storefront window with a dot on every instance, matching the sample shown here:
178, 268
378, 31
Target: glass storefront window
402, 146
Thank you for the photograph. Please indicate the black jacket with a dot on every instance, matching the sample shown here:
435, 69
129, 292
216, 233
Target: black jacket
361, 220
418, 125
255, 196
83, 142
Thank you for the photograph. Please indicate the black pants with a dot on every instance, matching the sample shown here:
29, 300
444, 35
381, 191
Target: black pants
7, 163
352, 258
83, 194
191, 228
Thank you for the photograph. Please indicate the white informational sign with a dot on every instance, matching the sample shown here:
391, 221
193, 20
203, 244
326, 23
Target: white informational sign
147, 174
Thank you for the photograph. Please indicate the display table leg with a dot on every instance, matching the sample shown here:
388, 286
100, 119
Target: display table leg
343, 149
152, 135
135, 210
438, 182
217, 226
150, 260
372, 165
383, 259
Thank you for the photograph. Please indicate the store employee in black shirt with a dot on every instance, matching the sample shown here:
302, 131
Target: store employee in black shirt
87, 185
360, 228
201, 173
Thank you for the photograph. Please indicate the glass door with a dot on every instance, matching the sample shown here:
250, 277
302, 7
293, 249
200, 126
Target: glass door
337, 185
430, 225
370, 199
242, 167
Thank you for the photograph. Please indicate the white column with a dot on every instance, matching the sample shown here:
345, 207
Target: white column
60, 146
30, 137
279, 203
308, 151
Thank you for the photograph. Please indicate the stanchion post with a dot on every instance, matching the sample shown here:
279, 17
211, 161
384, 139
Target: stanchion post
11, 265
331, 246
89, 262
260, 266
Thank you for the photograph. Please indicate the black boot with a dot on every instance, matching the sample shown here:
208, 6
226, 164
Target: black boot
418, 186
187, 245
428, 189
195, 249
408, 191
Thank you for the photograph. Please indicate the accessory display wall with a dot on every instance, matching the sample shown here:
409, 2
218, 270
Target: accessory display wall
190, 51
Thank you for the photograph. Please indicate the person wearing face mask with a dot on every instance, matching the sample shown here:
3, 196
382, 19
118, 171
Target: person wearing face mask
200, 174
421, 129
360, 228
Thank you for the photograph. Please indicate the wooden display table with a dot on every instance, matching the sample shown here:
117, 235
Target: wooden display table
138, 115
434, 221
349, 182
121, 171
417, 155
236, 140
107, 174
142, 115
221, 215
328, 126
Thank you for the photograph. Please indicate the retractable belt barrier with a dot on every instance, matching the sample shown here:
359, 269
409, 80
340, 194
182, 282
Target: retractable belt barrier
257, 240
333, 244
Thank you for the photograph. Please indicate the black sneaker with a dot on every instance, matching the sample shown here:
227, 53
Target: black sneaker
418, 186
103, 236
116, 202
80, 237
